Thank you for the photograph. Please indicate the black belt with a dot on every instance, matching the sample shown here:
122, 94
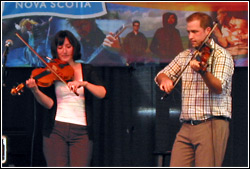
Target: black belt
196, 122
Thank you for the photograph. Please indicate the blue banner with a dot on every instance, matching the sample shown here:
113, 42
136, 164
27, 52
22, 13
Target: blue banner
76, 10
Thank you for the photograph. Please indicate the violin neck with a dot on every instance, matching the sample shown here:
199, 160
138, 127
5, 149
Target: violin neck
207, 37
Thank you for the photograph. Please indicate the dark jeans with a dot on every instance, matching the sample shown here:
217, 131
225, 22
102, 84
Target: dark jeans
68, 145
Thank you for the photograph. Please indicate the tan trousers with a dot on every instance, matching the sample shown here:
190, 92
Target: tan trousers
198, 146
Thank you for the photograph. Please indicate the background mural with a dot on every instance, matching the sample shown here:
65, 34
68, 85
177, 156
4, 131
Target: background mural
162, 23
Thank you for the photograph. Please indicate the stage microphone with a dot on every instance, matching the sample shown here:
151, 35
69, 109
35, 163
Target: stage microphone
8, 43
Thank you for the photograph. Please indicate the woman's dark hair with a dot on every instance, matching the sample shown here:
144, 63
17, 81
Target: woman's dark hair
59, 40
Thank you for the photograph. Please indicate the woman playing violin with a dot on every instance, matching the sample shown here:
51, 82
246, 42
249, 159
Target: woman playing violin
206, 97
67, 136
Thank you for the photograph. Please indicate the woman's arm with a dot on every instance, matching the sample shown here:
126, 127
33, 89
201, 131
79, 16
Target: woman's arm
43, 99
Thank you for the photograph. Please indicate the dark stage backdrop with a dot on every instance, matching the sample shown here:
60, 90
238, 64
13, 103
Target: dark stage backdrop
131, 126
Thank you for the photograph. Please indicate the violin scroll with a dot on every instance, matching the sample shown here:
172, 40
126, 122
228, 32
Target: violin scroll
17, 90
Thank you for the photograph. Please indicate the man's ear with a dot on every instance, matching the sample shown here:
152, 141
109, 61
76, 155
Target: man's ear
208, 29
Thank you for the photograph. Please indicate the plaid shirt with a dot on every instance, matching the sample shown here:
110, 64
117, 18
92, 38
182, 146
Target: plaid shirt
198, 102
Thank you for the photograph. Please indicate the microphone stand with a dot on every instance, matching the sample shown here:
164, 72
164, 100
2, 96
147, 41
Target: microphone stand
5, 54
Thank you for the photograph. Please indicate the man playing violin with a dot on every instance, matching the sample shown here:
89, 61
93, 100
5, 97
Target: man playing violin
206, 97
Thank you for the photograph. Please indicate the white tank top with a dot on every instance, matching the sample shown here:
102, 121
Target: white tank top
70, 107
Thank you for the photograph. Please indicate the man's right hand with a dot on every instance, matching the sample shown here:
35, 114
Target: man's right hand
165, 84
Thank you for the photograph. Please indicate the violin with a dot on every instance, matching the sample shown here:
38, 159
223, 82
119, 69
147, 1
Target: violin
203, 57
202, 54
45, 77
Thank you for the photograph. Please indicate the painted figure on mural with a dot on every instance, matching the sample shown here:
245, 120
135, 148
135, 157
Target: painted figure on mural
233, 35
167, 43
38, 39
91, 38
135, 44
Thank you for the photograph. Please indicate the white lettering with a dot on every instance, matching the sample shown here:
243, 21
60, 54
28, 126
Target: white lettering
28, 4
43, 5
53, 5
36, 4
87, 5
31, 5
19, 4
69, 6
58, 4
